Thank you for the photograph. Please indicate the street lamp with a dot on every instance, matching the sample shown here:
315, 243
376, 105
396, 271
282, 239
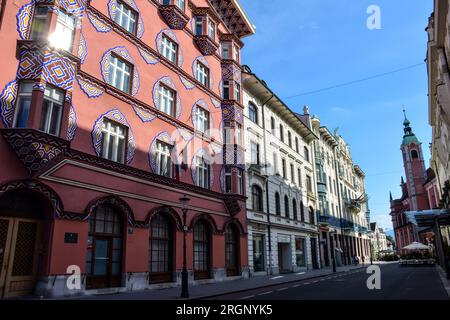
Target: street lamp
184, 273
371, 249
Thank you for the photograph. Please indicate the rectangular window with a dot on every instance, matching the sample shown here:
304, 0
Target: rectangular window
258, 253
114, 136
169, 49
202, 173
125, 17
23, 105
199, 25
226, 90
225, 50
275, 163
39, 25
252, 113
237, 91
292, 173
289, 139
166, 100
211, 29
240, 182
62, 38
202, 74
119, 74
228, 180
163, 159
254, 149
238, 134
308, 183
300, 252
52, 111
236, 53
299, 176
296, 144
180, 4
202, 120
283, 164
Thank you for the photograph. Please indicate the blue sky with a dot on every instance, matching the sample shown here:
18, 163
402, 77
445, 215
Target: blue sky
302, 46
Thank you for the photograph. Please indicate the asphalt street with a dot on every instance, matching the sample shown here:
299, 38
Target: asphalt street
397, 283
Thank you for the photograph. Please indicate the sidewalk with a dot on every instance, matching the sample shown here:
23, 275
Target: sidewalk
219, 288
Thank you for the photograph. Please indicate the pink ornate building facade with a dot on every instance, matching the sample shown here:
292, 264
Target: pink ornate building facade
111, 111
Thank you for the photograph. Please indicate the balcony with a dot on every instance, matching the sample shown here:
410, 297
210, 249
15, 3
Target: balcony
206, 45
324, 220
173, 16
353, 205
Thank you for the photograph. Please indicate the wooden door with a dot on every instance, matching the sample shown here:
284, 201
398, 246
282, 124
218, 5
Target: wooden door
19, 239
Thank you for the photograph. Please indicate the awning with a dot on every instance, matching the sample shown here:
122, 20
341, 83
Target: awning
416, 246
427, 218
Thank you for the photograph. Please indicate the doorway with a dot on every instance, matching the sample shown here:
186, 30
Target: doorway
284, 257
315, 265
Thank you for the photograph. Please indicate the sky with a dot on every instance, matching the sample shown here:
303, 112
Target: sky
308, 45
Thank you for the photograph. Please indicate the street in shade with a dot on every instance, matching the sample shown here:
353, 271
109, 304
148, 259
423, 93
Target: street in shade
397, 283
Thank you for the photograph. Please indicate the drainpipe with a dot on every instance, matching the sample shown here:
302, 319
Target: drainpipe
269, 233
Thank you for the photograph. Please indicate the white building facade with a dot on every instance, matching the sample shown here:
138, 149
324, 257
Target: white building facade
280, 181
343, 210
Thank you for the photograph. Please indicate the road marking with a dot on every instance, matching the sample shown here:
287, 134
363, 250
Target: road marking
300, 273
306, 283
282, 289
274, 278
295, 286
315, 281
264, 293
248, 297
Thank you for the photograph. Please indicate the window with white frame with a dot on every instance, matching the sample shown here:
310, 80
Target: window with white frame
125, 17
275, 163
119, 73
199, 25
283, 165
252, 113
163, 159
202, 120
62, 38
23, 104
225, 50
169, 49
114, 137
228, 181
238, 129
203, 175
202, 74
237, 91
211, 29
292, 173
226, 90
240, 182
180, 4
52, 111
299, 176
166, 100
254, 152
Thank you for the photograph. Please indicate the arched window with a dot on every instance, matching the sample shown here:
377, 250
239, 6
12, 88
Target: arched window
414, 154
257, 198
277, 204
302, 211
232, 250
294, 209
286, 207
281, 132
312, 218
104, 256
252, 112
161, 249
272, 125
202, 250
306, 153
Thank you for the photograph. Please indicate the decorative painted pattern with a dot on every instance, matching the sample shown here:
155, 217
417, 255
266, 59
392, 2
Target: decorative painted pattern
185, 134
167, 81
148, 57
202, 153
74, 7
98, 24
163, 137
144, 114
97, 136
231, 72
112, 5
7, 102
216, 103
72, 124
203, 61
30, 65
122, 52
202, 104
58, 71
89, 88
230, 112
82, 48
24, 18
188, 84
171, 35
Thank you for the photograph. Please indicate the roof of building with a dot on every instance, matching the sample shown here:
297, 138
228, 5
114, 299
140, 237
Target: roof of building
409, 136
234, 17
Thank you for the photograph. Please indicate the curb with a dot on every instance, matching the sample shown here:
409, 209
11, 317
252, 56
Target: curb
271, 285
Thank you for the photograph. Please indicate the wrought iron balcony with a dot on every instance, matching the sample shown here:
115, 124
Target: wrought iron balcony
324, 219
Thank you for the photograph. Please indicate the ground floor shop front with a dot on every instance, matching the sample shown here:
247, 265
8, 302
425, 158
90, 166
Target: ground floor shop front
277, 250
